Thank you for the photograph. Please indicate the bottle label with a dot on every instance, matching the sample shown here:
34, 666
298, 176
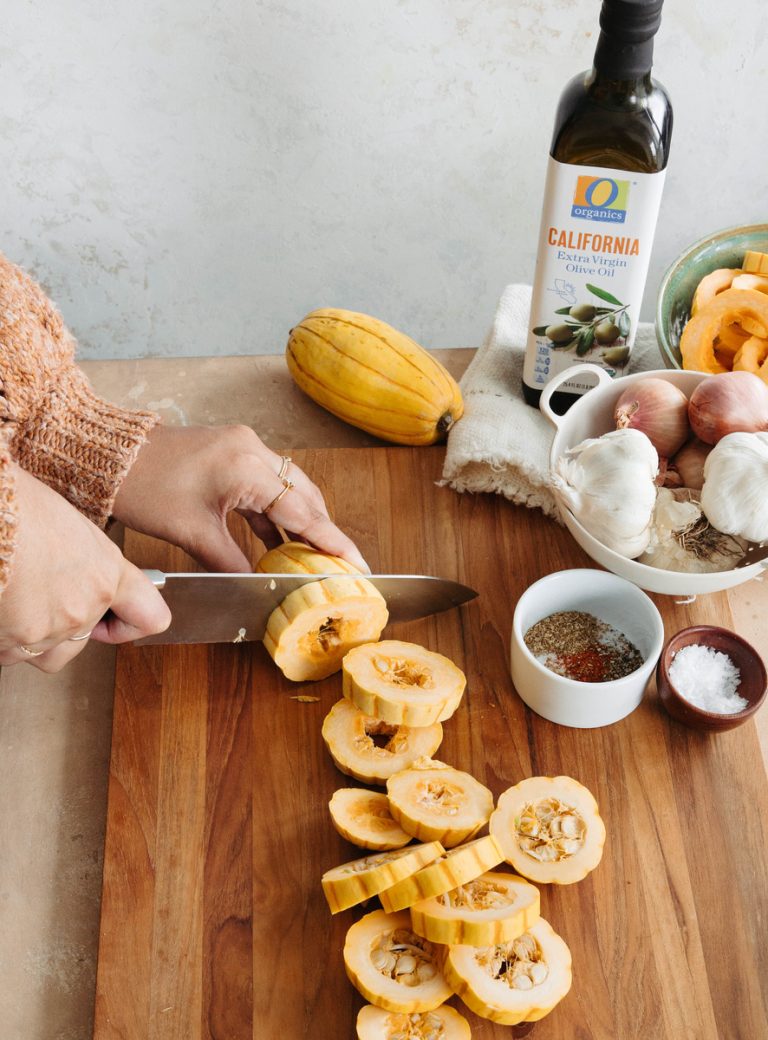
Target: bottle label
597, 229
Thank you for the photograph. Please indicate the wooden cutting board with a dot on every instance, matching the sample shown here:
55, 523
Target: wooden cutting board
213, 921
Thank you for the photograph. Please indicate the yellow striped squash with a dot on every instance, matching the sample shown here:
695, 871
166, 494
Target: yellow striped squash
372, 376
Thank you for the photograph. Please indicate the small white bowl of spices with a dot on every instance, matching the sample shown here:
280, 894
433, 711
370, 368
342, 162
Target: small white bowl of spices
711, 679
584, 645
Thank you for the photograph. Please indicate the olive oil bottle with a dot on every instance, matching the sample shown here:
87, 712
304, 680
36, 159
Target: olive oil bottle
601, 201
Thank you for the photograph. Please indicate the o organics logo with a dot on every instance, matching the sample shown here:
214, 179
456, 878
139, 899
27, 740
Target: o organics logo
600, 198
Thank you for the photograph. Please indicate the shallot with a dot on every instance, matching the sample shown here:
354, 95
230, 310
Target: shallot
729, 402
659, 410
688, 463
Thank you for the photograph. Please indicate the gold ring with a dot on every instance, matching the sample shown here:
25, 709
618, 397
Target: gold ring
287, 485
76, 639
284, 467
28, 652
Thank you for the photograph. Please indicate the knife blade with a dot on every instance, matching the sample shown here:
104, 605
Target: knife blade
235, 608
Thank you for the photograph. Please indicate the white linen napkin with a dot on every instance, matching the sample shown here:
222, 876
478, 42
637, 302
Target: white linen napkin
502, 444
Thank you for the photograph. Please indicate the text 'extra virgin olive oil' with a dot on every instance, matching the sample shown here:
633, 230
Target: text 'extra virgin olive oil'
601, 202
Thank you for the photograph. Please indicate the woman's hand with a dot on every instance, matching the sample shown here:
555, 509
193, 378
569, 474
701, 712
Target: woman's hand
64, 576
185, 481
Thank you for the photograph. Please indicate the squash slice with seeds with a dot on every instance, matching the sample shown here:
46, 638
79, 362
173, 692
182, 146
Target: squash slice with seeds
518, 981
435, 802
370, 749
392, 966
402, 682
313, 628
354, 882
494, 908
549, 829
442, 1023
449, 870
363, 817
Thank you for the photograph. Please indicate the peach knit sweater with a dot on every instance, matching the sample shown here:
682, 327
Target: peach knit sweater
51, 422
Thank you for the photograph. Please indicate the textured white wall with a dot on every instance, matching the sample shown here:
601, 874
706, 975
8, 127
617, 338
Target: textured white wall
191, 177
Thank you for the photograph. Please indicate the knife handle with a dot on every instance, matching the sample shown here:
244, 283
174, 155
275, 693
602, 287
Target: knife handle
156, 577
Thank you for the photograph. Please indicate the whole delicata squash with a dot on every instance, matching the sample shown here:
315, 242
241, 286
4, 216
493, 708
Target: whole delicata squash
313, 628
353, 882
435, 802
549, 829
442, 1023
518, 981
363, 817
494, 908
392, 966
372, 750
402, 682
372, 376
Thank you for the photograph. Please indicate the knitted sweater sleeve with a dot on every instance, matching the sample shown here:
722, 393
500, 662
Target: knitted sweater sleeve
52, 423
8, 514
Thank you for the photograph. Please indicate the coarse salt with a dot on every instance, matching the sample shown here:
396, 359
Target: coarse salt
707, 678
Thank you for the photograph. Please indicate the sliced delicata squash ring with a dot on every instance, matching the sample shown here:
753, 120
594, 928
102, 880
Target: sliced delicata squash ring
519, 981
494, 908
751, 355
451, 869
435, 802
372, 750
549, 829
712, 285
402, 682
308, 635
392, 966
442, 1023
363, 817
747, 308
358, 880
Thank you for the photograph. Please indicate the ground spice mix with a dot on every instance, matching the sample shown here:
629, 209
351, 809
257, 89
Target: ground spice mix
580, 646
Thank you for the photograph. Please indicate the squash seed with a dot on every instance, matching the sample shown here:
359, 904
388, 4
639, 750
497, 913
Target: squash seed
550, 830
520, 963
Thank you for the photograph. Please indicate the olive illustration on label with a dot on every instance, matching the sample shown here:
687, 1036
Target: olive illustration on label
559, 333
616, 355
586, 325
582, 311
606, 332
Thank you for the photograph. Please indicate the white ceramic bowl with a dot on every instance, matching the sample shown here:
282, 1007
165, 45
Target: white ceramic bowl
591, 416
618, 602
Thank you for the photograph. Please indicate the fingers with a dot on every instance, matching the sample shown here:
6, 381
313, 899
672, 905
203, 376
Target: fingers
137, 610
215, 548
54, 659
296, 513
291, 501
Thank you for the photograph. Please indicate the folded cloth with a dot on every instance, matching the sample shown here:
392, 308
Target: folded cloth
502, 444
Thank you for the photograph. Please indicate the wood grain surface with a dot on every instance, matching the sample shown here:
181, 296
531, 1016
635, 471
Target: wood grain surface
214, 926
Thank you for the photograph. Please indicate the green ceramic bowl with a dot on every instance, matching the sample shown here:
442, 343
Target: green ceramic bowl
673, 308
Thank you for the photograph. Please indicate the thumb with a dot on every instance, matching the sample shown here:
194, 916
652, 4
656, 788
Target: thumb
137, 610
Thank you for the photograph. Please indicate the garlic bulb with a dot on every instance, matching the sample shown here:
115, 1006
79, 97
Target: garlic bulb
608, 484
682, 539
735, 493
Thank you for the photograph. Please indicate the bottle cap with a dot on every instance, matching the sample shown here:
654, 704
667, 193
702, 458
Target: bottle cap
625, 46
630, 21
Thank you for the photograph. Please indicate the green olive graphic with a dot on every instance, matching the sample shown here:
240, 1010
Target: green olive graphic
582, 311
616, 355
559, 333
607, 332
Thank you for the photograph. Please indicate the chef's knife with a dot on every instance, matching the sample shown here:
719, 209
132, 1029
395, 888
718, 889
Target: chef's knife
234, 608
